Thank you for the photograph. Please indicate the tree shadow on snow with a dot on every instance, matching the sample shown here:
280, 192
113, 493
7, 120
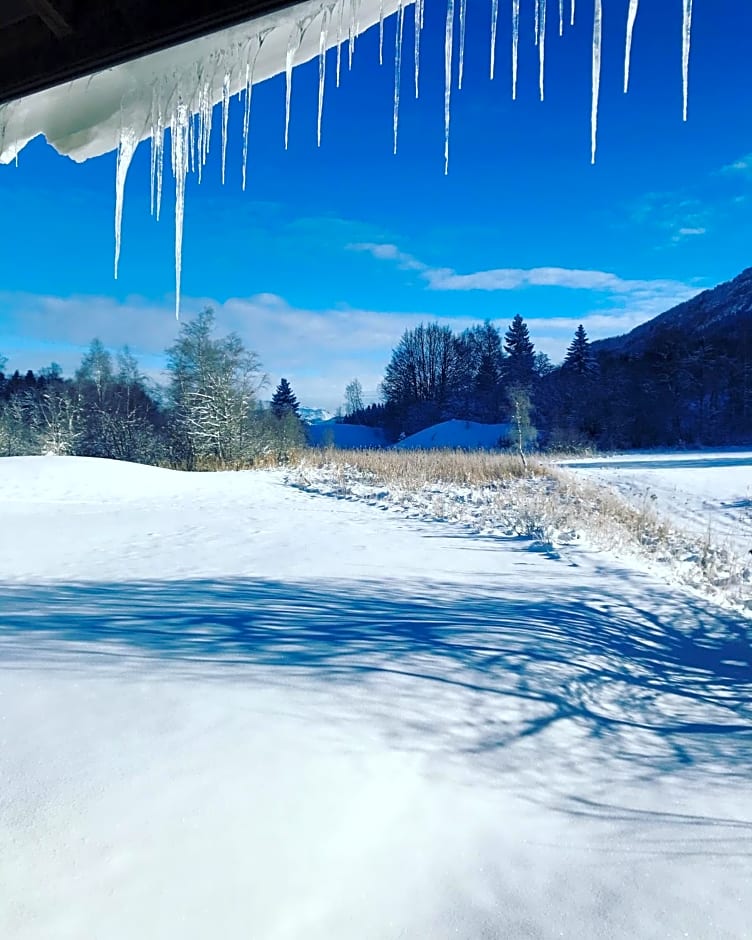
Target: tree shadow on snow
586, 683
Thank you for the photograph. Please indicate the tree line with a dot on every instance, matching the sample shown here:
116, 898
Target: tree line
679, 391
209, 413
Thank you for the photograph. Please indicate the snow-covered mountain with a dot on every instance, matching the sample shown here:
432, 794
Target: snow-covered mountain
315, 415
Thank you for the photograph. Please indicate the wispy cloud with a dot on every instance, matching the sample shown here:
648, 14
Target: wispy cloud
707, 205
676, 216
319, 351
511, 279
389, 252
741, 166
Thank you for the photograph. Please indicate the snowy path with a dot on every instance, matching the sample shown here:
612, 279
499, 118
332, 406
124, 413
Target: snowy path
709, 493
230, 708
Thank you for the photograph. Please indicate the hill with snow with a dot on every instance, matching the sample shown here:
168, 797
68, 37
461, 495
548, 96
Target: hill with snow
458, 435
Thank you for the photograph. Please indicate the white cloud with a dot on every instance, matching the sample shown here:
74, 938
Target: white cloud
389, 252
510, 279
742, 165
319, 351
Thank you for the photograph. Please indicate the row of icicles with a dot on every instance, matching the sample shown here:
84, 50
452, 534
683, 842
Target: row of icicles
190, 117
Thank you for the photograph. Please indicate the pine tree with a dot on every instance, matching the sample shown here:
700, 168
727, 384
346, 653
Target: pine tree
284, 401
579, 358
520, 362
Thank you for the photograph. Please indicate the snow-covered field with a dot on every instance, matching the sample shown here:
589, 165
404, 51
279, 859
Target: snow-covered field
706, 492
231, 708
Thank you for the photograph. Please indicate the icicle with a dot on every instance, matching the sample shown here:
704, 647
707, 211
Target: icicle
293, 44
417, 9
537, 21
398, 67
494, 23
515, 44
179, 137
448, 44
159, 160
205, 111
463, 17
381, 32
191, 140
322, 70
225, 117
354, 30
571, 18
686, 47
126, 149
152, 171
339, 38
352, 33
542, 48
250, 67
561, 17
155, 130
631, 17
597, 39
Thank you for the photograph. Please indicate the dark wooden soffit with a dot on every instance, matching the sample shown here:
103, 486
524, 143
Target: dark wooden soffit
46, 42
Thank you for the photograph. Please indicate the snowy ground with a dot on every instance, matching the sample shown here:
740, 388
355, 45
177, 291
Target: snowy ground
232, 708
705, 492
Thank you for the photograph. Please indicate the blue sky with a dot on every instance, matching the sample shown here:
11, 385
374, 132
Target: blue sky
331, 253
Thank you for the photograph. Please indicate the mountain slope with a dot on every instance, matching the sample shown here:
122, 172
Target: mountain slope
722, 312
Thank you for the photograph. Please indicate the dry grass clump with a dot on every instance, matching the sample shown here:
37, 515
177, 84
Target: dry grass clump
411, 469
497, 493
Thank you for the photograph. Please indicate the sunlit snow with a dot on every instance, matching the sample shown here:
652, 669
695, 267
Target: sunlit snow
232, 708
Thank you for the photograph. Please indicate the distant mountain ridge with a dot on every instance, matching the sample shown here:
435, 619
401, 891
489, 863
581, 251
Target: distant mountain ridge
683, 378
721, 311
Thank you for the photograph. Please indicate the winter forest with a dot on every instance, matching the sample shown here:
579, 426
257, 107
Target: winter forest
208, 414
212, 409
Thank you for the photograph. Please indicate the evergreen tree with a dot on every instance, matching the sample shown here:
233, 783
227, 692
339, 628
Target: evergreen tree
284, 401
487, 363
520, 362
579, 358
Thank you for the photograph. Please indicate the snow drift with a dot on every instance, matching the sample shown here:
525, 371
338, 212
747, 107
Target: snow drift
462, 435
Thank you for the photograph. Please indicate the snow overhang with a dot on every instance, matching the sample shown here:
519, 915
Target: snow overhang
44, 43
86, 117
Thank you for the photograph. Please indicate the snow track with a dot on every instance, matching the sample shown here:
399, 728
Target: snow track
232, 708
